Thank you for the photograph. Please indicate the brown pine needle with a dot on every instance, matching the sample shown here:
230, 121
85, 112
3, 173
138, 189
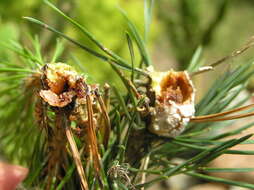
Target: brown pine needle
107, 127
223, 118
92, 139
210, 116
77, 160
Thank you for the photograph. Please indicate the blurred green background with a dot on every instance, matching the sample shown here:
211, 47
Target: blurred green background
178, 28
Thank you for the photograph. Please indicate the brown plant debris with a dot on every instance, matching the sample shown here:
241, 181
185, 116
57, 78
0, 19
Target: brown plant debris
66, 94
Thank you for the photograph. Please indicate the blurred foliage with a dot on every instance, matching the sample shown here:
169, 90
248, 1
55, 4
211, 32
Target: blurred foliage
188, 27
13, 27
181, 24
219, 26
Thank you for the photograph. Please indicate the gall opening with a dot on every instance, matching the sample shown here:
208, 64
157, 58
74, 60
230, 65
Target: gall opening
176, 87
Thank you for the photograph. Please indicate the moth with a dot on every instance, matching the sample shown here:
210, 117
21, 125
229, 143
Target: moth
174, 105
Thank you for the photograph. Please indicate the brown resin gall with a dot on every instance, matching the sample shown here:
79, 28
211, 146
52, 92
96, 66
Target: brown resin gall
174, 104
60, 81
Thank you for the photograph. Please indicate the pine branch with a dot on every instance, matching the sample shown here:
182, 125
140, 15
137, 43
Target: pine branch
109, 134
